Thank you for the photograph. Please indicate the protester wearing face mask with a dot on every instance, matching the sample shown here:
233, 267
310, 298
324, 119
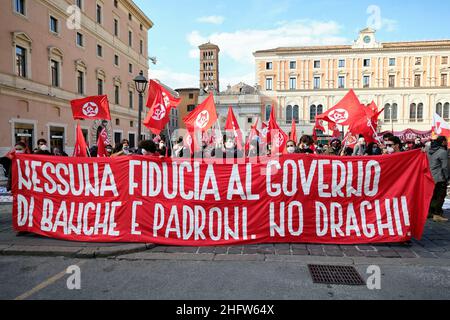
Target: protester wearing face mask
291, 147
438, 158
43, 149
305, 145
334, 149
229, 151
418, 144
253, 151
148, 148
393, 145
373, 150
360, 148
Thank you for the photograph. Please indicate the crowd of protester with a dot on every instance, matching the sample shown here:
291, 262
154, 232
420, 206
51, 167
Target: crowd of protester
437, 151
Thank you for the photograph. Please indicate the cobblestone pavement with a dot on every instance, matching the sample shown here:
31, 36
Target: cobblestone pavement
434, 245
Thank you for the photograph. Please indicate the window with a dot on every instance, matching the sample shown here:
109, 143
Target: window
80, 82
292, 114
116, 94
116, 27
130, 17
444, 80
116, 60
420, 112
191, 96
443, 110
54, 66
21, 62
293, 65
130, 99
116, 3
417, 80
366, 81
79, 4
412, 112
444, 60
54, 25
99, 14
130, 68
80, 40
19, 6
293, 83
190, 108
100, 87
130, 38
268, 112
366, 63
392, 62
418, 61
316, 64
341, 82
289, 114
141, 47
342, 63
315, 111
316, 82
390, 112
391, 81
269, 65
269, 84
99, 50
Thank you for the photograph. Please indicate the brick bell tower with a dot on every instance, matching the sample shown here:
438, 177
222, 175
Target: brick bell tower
209, 67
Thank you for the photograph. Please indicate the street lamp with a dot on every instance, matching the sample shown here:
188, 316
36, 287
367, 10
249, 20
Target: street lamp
141, 85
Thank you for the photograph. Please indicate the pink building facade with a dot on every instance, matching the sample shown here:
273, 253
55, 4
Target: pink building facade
54, 51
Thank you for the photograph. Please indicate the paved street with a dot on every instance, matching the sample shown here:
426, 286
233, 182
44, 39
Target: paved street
34, 268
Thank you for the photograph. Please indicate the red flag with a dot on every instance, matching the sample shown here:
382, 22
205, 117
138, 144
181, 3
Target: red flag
160, 102
293, 136
334, 128
318, 126
233, 126
347, 111
155, 89
203, 117
93, 108
80, 145
253, 133
102, 143
279, 139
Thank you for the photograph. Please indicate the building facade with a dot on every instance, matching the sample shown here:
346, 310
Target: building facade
409, 79
55, 51
189, 101
209, 67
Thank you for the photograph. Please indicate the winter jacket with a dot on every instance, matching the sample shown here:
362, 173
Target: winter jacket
438, 157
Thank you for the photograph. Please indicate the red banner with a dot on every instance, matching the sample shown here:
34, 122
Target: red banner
291, 199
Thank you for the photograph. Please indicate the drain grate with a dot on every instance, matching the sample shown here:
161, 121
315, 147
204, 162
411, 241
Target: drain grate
339, 275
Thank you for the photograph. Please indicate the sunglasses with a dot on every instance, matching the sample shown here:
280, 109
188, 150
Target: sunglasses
390, 144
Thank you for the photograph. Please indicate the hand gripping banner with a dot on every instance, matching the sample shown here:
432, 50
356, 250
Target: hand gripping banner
291, 199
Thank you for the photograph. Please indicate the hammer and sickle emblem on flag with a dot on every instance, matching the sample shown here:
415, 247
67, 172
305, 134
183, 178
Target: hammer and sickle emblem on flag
279, 140
90, 109
159, 112
202, 119
339, 116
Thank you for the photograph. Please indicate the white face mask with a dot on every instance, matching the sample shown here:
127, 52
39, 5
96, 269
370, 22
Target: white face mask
144, 152
20, 151
291, 150
43, 148
390, 150
229, 145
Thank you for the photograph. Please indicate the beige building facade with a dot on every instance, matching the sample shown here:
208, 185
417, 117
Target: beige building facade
54, 51
409, 79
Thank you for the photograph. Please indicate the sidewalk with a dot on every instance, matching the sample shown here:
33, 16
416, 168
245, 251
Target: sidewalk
32, 245
434, 245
